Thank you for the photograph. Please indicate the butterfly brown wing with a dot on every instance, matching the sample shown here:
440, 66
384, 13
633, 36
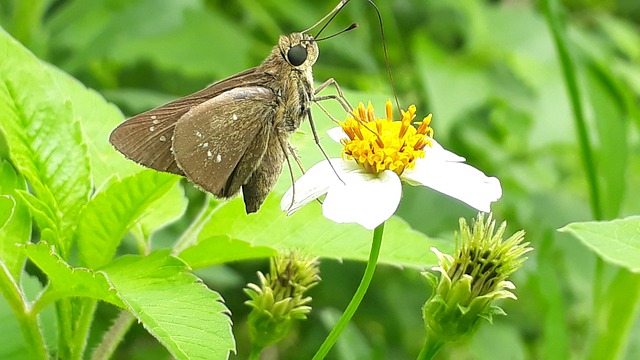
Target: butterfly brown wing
147, 138
265, 176
221, 142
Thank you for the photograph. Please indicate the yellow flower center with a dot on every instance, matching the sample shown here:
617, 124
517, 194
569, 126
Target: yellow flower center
384, 144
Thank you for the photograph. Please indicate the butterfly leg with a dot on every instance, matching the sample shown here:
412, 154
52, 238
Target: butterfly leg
316, 138
339, 97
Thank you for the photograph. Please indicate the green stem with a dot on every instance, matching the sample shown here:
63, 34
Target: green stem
27, 319
86, 311
113, 337
357, 297
430, 348
255, 352
551, 12
65, 331
614, 321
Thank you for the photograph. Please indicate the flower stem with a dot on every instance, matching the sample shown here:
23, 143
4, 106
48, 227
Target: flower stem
430, 348
357, 297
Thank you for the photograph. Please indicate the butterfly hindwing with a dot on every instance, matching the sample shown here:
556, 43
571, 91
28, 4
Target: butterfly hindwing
220, 143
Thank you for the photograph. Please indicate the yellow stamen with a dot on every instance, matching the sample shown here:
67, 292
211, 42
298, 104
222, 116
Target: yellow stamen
384, 144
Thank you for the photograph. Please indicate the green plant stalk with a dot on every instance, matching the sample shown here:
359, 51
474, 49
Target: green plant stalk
113, 337
65, 331
616, 317
357, 297
87, 308
430, 348
605, 343
255, 352
27, 319
550, 9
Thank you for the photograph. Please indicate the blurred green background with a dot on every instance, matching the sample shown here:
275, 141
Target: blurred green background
489, 73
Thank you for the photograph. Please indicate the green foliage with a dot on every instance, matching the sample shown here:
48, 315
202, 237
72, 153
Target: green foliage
96, 227
616, 242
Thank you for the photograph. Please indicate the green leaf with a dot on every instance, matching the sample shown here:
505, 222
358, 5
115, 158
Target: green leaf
16, 228
67, 281
167, 209
312, 233
174, 306
97, 119
43, 216
108, 216
44, 138
169, 35
7, 204
616, 241
220, 249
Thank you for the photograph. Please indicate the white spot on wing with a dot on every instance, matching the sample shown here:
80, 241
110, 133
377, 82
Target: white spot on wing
152, 129
198, 134
153, 117
209, 154
156, 122
163, 138
218, 159
234, 117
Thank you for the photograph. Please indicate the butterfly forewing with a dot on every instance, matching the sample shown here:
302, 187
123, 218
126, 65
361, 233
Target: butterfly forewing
210, 141
147, 138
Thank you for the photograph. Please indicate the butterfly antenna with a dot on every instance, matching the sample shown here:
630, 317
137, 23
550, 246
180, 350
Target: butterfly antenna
331, 14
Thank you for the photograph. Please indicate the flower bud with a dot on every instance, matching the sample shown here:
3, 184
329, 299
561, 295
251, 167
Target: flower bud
280, 297
471, 280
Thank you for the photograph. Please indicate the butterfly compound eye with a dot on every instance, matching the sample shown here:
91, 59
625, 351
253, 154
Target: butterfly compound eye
297, 55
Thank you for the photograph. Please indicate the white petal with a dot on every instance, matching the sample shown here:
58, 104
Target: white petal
456, 179
364, 198
314, 183
436, 150
337, 134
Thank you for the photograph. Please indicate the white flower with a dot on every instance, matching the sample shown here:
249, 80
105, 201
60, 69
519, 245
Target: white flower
367, 191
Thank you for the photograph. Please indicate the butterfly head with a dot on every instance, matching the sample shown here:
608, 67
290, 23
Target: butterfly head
299, 50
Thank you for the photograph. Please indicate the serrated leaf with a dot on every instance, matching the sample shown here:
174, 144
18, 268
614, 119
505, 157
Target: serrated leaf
16, 229
67, 281
44, 138
108, 216
97, 119
312, 233
174, 306
616, 241
43, 216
